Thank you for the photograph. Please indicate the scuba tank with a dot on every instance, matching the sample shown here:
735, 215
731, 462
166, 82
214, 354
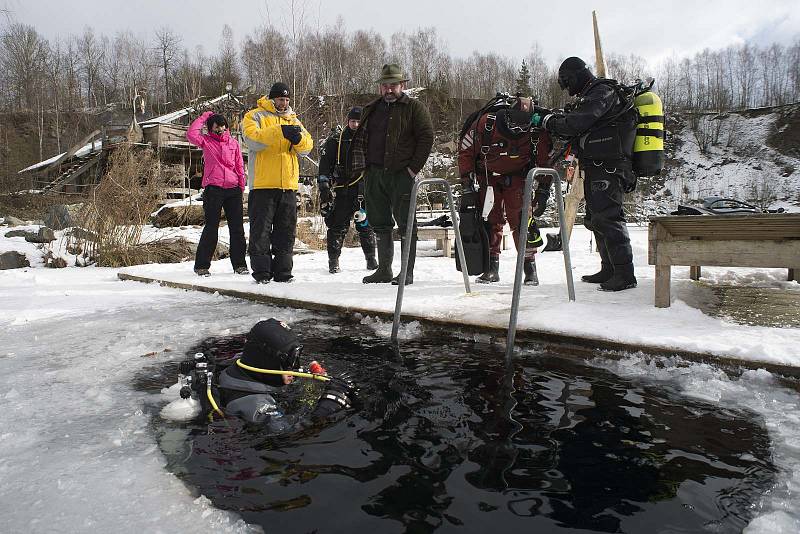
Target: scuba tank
648, 148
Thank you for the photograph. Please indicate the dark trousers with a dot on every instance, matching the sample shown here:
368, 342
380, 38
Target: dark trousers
273, 225
345, 205
604, 215
387, 195
508, 192
215, 199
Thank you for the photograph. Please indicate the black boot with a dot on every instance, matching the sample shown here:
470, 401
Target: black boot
623, 279
412, 255
492, 275
531, 278
334, 244
606, 266
385, 256
603, 275
368, 246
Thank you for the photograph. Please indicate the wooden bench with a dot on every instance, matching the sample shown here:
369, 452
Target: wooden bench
446, 238
748, 240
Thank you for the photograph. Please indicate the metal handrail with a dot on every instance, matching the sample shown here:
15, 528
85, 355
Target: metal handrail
523, 238
412, 211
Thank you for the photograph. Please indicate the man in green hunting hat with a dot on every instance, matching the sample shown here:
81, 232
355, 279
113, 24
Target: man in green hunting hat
390, 147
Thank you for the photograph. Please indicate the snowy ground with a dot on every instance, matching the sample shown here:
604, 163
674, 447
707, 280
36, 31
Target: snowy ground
627, 316
76, 451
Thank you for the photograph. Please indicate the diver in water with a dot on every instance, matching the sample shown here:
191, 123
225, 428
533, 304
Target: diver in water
247, 385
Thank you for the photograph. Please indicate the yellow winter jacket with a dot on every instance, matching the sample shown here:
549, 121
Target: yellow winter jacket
272, 160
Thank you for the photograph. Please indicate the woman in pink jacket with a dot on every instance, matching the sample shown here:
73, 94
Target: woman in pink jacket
223, 184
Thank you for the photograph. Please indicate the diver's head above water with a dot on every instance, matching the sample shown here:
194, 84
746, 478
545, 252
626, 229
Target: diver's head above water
272, 345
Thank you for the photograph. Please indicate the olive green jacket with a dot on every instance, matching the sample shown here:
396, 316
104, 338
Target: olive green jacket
409, 137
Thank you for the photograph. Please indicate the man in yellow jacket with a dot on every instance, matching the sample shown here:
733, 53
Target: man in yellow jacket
275, 138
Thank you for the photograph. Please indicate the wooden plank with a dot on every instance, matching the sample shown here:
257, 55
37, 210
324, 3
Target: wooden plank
77, 146
728, 253
573, 199
662, 283
754, 226
694, 272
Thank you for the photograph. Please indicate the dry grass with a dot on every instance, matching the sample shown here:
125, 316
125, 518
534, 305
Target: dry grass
118, 207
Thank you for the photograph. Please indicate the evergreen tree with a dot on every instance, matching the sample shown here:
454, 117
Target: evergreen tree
524, 80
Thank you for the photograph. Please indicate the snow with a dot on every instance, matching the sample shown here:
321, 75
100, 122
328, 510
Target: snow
94, 146
627, 316
175, 115
739, 160
76, 449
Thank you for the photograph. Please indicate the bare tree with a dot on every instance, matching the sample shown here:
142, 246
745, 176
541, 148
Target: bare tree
168, 50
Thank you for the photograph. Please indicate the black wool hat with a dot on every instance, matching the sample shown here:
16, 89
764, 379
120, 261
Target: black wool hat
354, 114
279, 89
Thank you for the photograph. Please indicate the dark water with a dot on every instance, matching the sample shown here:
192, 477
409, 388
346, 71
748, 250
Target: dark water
445, 438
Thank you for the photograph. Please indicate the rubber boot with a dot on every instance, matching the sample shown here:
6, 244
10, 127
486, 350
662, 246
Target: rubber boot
334, 243
603, 275
531, 277
412, 255
385, 247
606, 267
623, 278
368, 246
492, 275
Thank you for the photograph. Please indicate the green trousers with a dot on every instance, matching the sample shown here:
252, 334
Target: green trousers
386, 198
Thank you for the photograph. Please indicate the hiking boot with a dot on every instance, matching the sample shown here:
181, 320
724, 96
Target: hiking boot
202, 272
603, 275
412, 255
491, 275
333, 266
622, 279
385, 256
242, 270
531, 277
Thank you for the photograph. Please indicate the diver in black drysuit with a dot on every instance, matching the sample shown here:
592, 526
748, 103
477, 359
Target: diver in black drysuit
244, 390
604, 131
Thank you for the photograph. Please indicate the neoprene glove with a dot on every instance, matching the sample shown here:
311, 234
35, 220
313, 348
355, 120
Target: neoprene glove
539, 113
540, 197
468, 181
292, 133
324, 184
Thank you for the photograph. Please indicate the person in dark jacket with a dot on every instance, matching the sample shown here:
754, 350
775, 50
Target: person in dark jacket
391, 146
342, 196
602, 127
223, 185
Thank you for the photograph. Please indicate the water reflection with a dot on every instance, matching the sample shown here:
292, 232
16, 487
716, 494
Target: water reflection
444, 436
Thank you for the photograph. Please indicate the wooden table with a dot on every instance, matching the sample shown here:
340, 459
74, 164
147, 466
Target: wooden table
446, 237
748, 240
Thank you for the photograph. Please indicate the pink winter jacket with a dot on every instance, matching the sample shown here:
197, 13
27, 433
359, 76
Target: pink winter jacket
223, 166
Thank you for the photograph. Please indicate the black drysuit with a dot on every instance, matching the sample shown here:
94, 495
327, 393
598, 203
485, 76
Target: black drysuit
605, 154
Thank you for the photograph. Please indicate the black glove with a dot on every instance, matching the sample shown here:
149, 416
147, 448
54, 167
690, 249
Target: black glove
324, 185
468, 181
292, 133
540, 198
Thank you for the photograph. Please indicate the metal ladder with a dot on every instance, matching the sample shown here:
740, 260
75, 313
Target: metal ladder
523, 238
412, 211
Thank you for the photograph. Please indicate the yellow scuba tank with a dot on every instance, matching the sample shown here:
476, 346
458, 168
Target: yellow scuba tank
648, 148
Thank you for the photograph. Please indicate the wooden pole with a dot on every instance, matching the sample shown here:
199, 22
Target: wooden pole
598, 49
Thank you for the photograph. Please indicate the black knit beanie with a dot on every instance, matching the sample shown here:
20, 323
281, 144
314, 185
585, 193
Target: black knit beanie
279, 89
354, 114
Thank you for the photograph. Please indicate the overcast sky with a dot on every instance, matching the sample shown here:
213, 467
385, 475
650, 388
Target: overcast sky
511, 27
